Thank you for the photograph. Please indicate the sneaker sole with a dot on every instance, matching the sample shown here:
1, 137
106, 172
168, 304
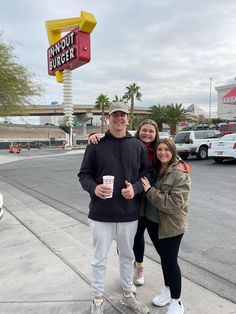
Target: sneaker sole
138, 283
161, 304
127, 305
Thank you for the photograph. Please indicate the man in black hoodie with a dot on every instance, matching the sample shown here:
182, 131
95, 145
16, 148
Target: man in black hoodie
124, 157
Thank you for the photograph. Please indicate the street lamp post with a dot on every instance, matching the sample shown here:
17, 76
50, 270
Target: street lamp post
211, 78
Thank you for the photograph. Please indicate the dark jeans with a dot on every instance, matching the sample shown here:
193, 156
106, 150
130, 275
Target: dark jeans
168, 250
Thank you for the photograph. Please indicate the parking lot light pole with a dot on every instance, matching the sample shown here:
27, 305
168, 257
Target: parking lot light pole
211, 78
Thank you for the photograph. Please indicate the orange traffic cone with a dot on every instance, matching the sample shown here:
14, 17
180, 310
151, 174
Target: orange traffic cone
11, 148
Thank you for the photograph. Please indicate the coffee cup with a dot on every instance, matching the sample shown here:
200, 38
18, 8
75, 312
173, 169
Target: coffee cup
109, 182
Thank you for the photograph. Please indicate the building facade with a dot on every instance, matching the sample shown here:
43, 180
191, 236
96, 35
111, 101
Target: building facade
226, 101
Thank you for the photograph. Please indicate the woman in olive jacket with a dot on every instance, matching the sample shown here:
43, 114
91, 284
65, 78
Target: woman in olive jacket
166, 209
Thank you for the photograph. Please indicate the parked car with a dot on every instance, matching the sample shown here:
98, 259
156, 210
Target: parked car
227, 128
132, 132
163, 134
224, 148
195, 142
1, 205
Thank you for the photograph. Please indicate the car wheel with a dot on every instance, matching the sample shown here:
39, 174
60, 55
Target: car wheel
218, 160
202, 153
184, 155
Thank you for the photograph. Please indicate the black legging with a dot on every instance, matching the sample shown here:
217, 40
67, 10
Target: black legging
167, 248
139, 243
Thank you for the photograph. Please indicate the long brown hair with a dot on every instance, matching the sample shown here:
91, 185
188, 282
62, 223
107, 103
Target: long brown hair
152, 122
171, 145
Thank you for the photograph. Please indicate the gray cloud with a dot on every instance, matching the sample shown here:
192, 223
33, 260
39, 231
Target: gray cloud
169, 48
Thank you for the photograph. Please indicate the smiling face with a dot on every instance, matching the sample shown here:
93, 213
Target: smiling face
163, 153
147, 133
117, 123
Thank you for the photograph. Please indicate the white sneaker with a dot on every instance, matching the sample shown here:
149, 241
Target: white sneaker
163, 298
97, 309
175, 307
133, 289
138, 276
135, 305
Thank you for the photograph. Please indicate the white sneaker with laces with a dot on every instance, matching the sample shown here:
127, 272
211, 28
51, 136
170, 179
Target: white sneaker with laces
138, 276
97, 308
131, 302
175, 307
163, 298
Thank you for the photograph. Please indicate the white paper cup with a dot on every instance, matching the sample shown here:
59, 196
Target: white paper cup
109, 182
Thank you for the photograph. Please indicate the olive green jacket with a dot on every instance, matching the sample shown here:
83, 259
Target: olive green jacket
171, 199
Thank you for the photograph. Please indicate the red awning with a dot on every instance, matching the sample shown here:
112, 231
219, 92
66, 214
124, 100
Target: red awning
230, 97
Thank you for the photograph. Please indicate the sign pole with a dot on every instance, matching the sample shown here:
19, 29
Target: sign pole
67, 101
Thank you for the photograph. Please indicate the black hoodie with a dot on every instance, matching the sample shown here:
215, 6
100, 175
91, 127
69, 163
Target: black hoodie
124, 158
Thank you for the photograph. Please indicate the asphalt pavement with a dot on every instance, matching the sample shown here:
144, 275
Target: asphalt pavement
45, 264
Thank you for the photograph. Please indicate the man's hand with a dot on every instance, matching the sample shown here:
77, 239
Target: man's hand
102, 191
128, 192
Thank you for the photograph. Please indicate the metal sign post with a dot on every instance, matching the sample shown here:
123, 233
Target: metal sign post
67, 101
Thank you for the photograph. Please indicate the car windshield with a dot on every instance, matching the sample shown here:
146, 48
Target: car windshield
231, 137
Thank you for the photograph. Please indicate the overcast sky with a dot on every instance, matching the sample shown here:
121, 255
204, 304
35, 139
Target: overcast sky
170, 48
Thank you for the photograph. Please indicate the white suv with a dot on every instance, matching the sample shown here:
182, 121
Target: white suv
195, 142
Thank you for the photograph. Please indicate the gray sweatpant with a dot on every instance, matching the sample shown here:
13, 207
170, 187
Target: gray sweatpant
103, 234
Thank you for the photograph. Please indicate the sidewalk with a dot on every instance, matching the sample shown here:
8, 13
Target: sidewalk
45, 266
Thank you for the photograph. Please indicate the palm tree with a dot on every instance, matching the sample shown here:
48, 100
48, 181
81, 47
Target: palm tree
158, 114
102, 102
136, 121
131, 94
176, 113
119, 99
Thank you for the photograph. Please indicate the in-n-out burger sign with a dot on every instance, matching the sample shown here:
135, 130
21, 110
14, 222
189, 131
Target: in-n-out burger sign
70, 52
